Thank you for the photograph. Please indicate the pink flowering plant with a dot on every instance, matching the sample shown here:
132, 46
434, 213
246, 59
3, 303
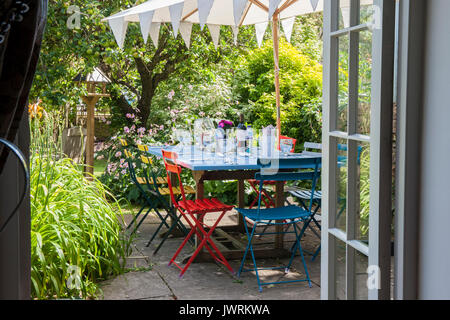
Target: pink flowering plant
184, 102
116, 175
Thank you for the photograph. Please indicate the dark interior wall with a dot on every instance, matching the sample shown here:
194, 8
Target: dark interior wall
19, 53
15, 265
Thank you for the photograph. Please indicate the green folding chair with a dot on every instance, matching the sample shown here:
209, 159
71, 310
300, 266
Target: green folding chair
157, 186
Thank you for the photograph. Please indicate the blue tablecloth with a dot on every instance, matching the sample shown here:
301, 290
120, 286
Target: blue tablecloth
198, 160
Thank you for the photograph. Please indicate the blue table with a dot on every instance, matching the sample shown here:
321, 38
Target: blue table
197, 160
206, 166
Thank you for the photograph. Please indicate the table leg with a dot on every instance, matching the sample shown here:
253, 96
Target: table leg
199, 194
279, 202
241, 204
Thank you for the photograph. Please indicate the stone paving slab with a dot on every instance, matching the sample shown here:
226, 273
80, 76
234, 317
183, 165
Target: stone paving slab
136, 285
204, 281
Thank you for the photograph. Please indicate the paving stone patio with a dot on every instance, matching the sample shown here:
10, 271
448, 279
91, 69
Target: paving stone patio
148, 276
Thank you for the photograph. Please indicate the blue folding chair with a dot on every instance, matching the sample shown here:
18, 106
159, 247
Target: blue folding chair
304, 195
287, 215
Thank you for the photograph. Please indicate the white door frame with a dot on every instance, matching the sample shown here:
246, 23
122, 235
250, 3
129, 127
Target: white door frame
380, 140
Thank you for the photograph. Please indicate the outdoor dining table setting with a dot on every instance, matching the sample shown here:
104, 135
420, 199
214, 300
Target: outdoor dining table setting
225, 153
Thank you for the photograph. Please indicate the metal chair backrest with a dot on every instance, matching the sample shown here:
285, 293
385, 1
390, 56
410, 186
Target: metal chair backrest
312, 175
309, 146
123, 142
142, 147
136, 163
170, 162
131, 163
343, 147
149, 172
294, 141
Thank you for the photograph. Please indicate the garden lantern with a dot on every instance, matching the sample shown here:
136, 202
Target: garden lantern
94, 81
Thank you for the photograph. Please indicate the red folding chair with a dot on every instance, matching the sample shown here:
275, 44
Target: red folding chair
194, 212
266, 198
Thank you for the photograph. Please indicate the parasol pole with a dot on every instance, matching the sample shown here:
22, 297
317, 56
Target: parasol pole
276, 58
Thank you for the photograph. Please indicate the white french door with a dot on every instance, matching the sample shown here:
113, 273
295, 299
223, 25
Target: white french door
357, 148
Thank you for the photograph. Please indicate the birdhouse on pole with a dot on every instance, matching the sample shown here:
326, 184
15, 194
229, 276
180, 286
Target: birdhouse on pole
96, 88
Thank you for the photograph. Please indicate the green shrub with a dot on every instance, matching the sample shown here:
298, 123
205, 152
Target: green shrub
76, 233
300, 88
364, 189
362, 195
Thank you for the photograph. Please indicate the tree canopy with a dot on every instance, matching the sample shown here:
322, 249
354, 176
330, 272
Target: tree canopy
142, 75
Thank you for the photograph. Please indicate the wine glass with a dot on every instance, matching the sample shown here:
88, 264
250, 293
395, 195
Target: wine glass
286, 146
220, 141
198, 132
208, 140
176, 138
208, 124
231, 144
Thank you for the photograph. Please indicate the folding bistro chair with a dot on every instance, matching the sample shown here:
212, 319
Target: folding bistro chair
304, 195
288, 215
194, 212
153, 183
266, 197
149, 184
139, 182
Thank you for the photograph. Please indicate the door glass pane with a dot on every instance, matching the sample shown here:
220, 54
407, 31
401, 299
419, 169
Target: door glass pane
361, 265
344, 15
342, 111
366, 11
341, 205
365, 81
340, 268
363, 192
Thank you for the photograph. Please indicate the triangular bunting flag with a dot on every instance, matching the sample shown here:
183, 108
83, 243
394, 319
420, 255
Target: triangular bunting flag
238, 10
260, 29
273, 5
204, 8
154, 33
214, 30
145, 20
119, 29
235, 34
314, 4
175, 16
185, 31
288, 25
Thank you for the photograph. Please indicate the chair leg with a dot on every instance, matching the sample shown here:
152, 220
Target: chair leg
207, 238
193, 230
176, 222
298, 245
255, 267
250, 237
269, 198
163, 222
316, 253
136, 216
248, 248
176, 219
163, 219
312, 218
268, 204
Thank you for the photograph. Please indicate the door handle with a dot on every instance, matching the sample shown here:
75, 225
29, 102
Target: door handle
19, 155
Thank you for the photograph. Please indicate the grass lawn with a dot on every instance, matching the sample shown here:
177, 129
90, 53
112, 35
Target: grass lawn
99, 167
127, 207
